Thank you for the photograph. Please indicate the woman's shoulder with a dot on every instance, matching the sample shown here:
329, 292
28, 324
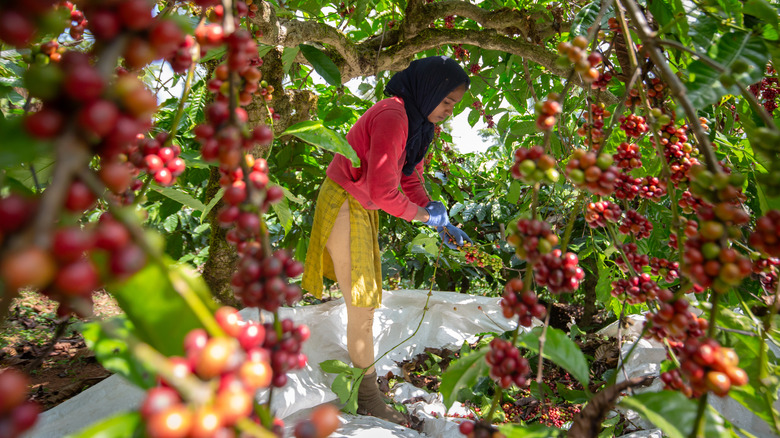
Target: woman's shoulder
392, 107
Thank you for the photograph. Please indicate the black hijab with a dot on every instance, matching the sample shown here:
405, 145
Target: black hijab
422, 86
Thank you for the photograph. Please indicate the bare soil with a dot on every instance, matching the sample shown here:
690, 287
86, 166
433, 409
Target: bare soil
60, 371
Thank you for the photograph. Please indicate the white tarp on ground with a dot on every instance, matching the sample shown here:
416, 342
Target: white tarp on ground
452, 319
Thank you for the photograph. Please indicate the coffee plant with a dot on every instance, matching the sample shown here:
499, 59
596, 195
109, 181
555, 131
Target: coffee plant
171, 152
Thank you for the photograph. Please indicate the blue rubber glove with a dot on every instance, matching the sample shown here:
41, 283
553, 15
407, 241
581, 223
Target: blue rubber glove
453, 236
438, 214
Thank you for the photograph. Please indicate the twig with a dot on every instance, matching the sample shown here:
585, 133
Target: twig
35, 178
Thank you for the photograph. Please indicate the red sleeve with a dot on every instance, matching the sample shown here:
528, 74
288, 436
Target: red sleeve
414, 186
383, 173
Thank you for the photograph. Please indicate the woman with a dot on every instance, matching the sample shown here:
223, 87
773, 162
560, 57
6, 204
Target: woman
391, 140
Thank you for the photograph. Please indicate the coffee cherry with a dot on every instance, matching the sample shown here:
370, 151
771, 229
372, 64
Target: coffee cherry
325, 419
598, 214
507, 367
27, 267
532, 239
636, 225
79, 197
173, 422
215, 357
766, 237
533, 165
559, 272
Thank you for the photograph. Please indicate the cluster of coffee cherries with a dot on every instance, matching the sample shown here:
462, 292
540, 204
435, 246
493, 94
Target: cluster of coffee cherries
532, 239
149, 37
16, 413
633, 98
688, 202
479, 429
547, 112
507, 366
532, 165
21, 22
674, 320
637, 290
665, 269
44, 53
474, 255
678, 152
576, 52
232, 367
628, 156
656, 90
636, 225
767, 89
690, 229
592, 172
521, 303
635, 259
459, 53
598, 214
652, 188
627, 187
163, 162
560, 272
603, 80
594, 132
766, 237
108, 117
722, 196
66, 271
710, 264
477, 105
633, 125
251, 84
705, 366
262, 280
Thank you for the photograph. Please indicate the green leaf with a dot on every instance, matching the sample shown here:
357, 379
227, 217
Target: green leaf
155, 301
705, 87
112, 352
673, 413
559, 349
180, 196
530, 431
126, 424
343, 387
334, 366
170, 223
462, 373
587, 16
514, 192
314, 132
322, 64
17, 146
763, 10
604, 285
282, 210
288, 56
666, 11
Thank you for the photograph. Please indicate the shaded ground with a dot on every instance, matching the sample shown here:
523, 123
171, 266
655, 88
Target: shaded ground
69, 367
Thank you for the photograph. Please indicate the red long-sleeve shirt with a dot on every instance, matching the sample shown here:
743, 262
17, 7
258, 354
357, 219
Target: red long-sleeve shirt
379, 139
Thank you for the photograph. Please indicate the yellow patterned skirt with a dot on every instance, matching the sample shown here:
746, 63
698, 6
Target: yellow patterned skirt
366, 282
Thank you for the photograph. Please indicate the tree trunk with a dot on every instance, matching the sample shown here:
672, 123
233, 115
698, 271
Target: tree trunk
589, 287
222, 259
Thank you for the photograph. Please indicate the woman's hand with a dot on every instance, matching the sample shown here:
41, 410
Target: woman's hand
453, 236
437, 214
